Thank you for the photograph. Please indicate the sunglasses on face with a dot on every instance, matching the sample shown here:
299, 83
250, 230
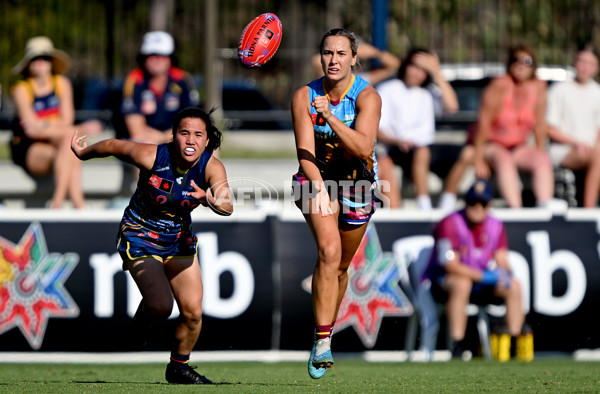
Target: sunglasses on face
42, 57
472, 203
524, 60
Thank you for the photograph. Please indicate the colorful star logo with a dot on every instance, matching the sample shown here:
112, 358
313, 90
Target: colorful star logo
32, 285
373, 291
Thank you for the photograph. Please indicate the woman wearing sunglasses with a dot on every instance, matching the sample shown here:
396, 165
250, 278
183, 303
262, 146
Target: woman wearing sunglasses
513, 108
41, 142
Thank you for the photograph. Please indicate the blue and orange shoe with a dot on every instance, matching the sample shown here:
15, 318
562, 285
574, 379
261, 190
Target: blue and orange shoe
319, 363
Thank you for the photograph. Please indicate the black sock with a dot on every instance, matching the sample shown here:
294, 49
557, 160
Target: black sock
179, 360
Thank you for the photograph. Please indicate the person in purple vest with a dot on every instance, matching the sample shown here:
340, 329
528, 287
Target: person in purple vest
469, 264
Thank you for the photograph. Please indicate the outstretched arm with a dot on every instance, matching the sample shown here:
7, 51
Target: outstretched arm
138, 154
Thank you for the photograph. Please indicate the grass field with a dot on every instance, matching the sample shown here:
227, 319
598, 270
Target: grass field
348, 376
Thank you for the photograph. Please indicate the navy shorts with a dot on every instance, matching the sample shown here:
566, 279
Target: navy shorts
480, 294
136, 242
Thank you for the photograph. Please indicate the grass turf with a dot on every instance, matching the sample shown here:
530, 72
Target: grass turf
348, 376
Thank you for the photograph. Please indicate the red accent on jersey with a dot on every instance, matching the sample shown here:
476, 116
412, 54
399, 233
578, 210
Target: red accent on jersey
48, 112
176, 74
155, 181
137, 75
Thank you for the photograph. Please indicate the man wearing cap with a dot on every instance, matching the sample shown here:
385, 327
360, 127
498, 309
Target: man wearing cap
156, 91
469, 264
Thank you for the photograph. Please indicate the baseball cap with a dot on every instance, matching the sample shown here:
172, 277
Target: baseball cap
157, 43
480, 191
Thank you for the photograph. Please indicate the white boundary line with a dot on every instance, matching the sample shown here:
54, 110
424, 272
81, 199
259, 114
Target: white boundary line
265, 356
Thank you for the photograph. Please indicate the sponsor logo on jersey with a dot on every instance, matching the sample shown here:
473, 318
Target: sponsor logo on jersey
162, 184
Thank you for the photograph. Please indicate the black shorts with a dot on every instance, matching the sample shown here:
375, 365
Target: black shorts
402, 159
19, 146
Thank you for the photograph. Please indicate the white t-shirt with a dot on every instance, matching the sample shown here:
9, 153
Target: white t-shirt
407, 113
574, 109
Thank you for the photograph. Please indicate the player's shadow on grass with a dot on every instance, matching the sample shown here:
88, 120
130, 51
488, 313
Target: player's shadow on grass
295, 384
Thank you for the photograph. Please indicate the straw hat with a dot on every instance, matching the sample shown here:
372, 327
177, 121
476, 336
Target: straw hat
43, 46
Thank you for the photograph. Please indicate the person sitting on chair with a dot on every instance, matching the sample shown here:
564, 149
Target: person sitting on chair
469, 264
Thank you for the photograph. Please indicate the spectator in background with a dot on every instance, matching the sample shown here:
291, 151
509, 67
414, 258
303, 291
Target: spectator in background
407, 125
156, 91
383, 64
469, 263
513, 107
43, 98
574, 123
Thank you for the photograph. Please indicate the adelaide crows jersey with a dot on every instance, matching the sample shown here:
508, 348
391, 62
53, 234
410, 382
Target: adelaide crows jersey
160, 208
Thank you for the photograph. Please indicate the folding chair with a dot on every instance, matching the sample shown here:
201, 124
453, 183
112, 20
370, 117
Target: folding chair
412, 255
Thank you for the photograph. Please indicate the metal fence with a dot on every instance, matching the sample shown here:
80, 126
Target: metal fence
103, 37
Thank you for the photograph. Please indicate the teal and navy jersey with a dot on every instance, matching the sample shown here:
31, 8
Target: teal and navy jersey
334, 161
161, 202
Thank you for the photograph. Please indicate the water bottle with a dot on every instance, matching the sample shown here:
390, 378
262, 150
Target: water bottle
525, 344
500, 345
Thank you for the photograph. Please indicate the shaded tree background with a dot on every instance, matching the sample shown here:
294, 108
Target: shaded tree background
103, 37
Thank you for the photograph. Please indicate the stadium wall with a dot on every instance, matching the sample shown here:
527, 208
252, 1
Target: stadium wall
62, 287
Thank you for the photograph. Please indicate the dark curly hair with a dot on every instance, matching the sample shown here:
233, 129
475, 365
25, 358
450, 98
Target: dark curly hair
215, 136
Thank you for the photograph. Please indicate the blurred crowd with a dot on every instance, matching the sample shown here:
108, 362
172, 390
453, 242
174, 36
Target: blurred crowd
523, 125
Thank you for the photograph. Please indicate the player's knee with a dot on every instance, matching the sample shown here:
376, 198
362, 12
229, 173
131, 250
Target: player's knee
159, 310
193, 314
329, 255
467, 155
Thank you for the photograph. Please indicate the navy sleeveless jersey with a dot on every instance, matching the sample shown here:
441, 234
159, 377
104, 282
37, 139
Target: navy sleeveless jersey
161, 201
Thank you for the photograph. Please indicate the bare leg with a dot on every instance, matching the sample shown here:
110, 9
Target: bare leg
420, 169
390, 185
325, 284
186, 281
537, 162
351, 236
458, 169
507, 175
459, 291
149, 275
592, 180
73, 173
514, 308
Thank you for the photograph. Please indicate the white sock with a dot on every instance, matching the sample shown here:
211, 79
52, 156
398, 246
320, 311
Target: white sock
424, 202
323, 345
447, 201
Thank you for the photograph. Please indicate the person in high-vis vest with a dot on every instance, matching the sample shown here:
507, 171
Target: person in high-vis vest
469, 264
